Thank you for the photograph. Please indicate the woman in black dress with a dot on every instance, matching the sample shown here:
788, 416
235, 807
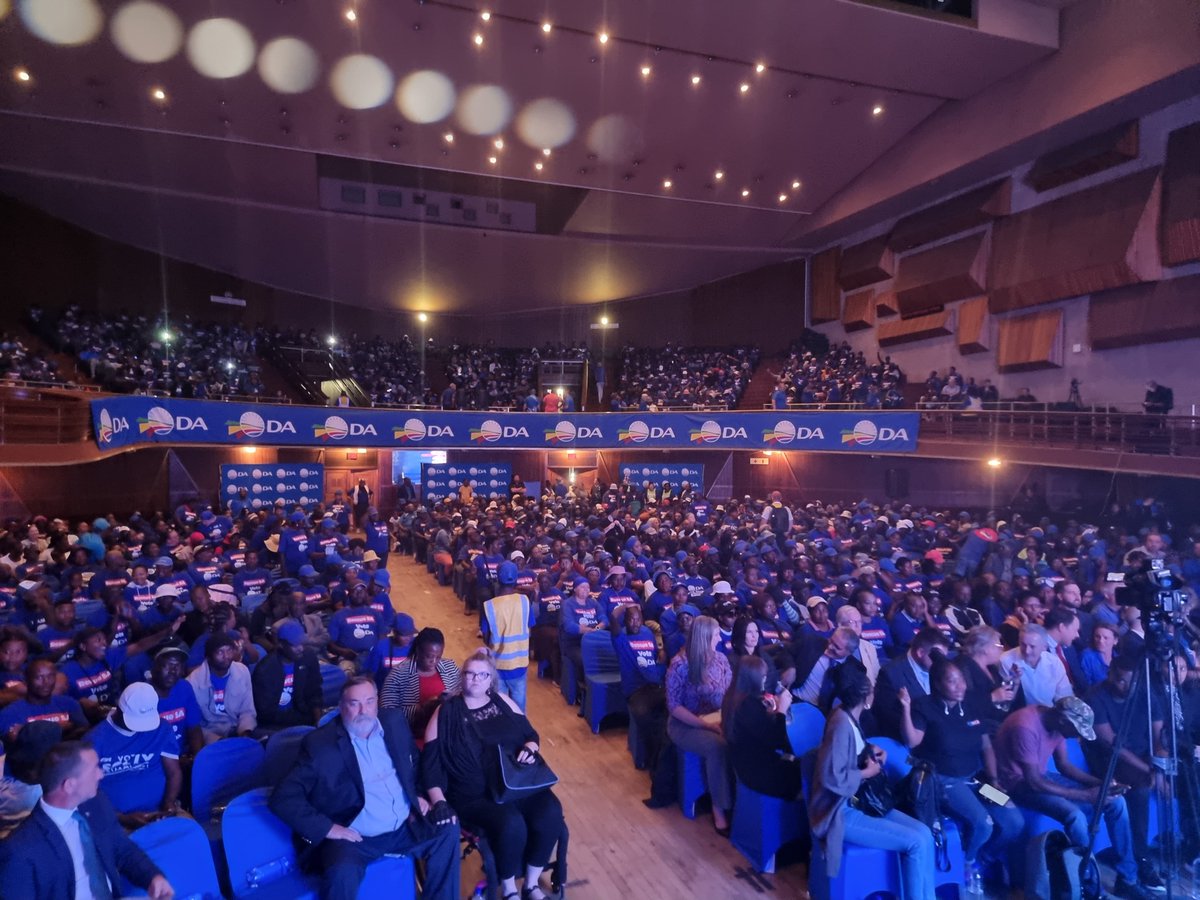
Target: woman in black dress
755, 723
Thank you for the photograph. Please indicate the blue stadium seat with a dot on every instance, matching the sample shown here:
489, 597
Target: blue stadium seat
332, 679
805, 728
865, 872
179, 847
603, 675
693, 783
896, 765
282, 750
762, 824
262, 858
568, 686
223, 770
327, 717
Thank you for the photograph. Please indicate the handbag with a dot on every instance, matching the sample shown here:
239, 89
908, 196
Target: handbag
516, 781
875, 796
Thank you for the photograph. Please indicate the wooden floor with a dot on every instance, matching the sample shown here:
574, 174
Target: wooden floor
619, 848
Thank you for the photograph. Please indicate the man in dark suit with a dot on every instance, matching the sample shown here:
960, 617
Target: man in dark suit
72, 846
287, 682
908, 671
352, 798
815, 658
1062, 626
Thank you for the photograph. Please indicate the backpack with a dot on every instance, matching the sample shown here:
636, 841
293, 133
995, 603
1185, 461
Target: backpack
1054, 870
917, 796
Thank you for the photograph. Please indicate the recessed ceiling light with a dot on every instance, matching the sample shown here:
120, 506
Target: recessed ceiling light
546, 26
796, 185
667, 182
603, 37
158, 94
745, 193
783, 198
422, 317
695, 80
743, 87
485, 15
351, 15
478, 39
448, 137
877, 110
538, 165
545, 151
759, 69
498, 143
645, 71
492, 160
22, 75
719, 175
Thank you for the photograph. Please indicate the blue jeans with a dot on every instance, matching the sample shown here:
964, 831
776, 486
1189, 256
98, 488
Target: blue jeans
1074, 819
514, 687
904, 834
981, 823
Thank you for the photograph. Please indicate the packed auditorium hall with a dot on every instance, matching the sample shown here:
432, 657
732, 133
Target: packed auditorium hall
511, 450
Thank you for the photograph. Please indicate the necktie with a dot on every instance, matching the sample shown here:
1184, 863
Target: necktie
91, 859
1063, 657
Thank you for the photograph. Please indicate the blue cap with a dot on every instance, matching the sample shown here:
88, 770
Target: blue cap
327, 522
578, 579
887, 565
630, 541
507, 573
681, 555
380, 576
297, 517
404, 624
164, 561
307, 572
688, 608
207, 516
291, 633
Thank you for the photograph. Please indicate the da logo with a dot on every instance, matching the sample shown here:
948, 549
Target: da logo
336, 428
784, 432
411, 430
489, 431
711, 432
111, 426
637, 432
866, 432
252, 425
159, 423
562, 433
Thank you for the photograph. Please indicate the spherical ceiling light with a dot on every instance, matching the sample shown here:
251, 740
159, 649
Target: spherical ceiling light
220, 48
426, 96
546, 123
146, 32
484, 109
289, 65
66, 22
361, 81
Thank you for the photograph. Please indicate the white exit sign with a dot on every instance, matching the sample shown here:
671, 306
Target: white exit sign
759, 461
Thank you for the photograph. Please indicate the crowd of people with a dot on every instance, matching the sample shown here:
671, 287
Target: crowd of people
673, 377
19, 363
819, 375
487, 377
138, 353
980, 644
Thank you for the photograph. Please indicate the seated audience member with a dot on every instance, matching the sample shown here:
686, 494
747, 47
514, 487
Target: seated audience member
41, 704
642, 682
287, 683
176, 700
818, 623
1062, 625
696, 682
352, 798
1027, 611
815, 659
92, 676
1042, 674
949, 728
462, 741
747, 642
1096, 659
581, 613
1024, 744
911, 618
417, 684
223, 691
72, 845
875, 628
849, 617
19, 772
979, 660
1111, 701
755, 723
15, 647
354, 631
844, 761
392, 650
58, 635
909, 671
139, 756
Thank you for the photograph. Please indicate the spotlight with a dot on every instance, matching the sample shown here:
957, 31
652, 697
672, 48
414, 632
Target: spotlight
351, 16
331, 341
546, 27
22, 75
486, 16
995, 462
158, 94
877, 110
645, 71
602, 37
422, 318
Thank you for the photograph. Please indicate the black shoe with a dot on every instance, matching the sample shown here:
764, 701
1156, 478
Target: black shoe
1130, 891
1149, 880
655, 803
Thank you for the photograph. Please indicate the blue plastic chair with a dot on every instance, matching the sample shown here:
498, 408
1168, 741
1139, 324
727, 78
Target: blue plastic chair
223, 770
693, 783
603, 675
262, 858
327, 717
567, 685
179, 847
897, 765
762, 824
282, 751
332, 679
805, 728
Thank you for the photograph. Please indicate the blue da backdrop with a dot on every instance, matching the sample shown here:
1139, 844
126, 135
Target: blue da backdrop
656, 473
266, 483
488, 479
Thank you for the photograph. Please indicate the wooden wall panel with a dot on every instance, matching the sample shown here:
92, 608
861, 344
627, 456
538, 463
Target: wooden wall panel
904, 331
1087, 157
932, 278
1145, 314
1181, 197
866, 263
1094, 240
1030, 342
961, 213
859, 311
973, 331
886, 304
825, 296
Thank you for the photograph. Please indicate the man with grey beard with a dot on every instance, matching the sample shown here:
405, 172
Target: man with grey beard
353, 798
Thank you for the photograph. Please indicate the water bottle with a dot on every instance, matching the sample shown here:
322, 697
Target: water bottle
974, 883
480, 891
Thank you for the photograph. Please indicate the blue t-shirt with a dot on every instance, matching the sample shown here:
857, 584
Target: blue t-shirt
384, 656
134, 779
61, 709
377, 537
219, 683
180, 711
252, 582
140, 595
54, 639
356, 627
94, 680
289, 677
637, 655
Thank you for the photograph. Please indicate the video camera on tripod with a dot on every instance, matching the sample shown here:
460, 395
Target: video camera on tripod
1152, 588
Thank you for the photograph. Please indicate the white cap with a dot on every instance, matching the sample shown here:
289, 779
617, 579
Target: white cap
722, 587
515, 554
139, 707
166, 590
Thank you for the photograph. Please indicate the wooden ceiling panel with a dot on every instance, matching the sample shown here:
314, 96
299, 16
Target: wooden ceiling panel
1181, 198
973, 336
961, 213
866, 263
825, 295
1087, 157
859, 311
932, 278
1145, 314
905, 331
1031, 342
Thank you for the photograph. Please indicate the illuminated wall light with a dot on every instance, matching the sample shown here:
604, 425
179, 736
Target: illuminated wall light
158, 94
667, 183
604, 320
22, 75
546, 27
351, 16
478, 39
718, 175
743, 87
486, 16
249, 450
877, 110
745, 193
492, 160
783, 198
759, 69
645, 71
796, 185
695, 80
499, 143
545, 151
538, 166
995, 462
602, 37
448, 137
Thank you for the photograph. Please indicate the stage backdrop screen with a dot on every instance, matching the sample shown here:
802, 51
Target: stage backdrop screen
302, 483
656, 473
488, 479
